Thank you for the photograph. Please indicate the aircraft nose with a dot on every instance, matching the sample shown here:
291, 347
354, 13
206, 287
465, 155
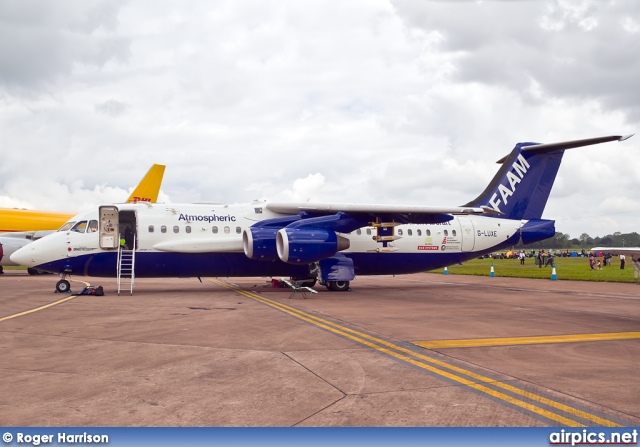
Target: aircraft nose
23, 256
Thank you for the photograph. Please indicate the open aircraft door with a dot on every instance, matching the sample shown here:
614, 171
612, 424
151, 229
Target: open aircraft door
109, 227
468, 237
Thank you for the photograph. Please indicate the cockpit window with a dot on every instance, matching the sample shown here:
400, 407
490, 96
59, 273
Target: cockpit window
93, 226
80, 226
67, 226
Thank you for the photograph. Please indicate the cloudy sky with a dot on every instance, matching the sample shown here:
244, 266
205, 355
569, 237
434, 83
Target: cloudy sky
377, 101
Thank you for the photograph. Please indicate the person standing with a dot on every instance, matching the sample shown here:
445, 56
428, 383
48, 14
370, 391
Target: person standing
521, 257
539, 258
622, 259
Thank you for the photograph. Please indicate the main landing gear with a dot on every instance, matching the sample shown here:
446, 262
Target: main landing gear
337, 286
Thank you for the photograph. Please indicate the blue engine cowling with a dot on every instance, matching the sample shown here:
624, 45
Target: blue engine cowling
260, 243
306, 245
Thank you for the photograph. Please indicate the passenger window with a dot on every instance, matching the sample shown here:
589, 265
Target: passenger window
453, 232
428, 232
187, 228
446, 233
238, 230
400, 232
163, 229
93, 226
176, 229
419, 232
368, 231
358, 231
150, 228
227, 230
214, 230
409, 233
67, 226
80, 227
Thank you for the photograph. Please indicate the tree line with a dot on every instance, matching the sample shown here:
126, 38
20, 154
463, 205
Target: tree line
564, 241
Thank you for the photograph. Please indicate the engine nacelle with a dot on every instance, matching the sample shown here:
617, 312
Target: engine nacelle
306, 245
260, 243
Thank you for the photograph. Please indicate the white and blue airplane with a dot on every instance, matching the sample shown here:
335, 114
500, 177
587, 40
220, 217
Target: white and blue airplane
329, 242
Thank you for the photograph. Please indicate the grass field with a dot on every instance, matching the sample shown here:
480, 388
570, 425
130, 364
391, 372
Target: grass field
576, 269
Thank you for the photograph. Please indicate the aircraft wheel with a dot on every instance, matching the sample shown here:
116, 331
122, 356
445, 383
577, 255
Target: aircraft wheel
33, 271
338, 286
63, 286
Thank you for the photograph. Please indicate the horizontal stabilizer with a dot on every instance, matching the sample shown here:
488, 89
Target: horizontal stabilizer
556, 147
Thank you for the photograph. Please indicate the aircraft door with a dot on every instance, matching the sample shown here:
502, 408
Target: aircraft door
128, 224
109, 228
468, 238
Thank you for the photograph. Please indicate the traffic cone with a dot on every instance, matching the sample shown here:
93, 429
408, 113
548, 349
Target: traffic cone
446, 272
492, 272
553, 272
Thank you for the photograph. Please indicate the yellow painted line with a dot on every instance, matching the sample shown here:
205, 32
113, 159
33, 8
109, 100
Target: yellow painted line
26, 312
481, 342
383, 345
38, 308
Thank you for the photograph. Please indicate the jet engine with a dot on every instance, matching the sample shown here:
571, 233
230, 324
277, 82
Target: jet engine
306, 245
260, 243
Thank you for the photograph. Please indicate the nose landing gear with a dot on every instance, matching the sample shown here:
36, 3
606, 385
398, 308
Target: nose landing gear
63, 286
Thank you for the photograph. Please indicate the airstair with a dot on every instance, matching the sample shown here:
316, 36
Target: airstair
126, 268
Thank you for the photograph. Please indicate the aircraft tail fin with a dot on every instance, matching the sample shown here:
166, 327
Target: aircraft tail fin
149, 187
522, 185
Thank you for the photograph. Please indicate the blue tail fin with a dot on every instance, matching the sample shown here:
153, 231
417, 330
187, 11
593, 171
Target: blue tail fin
522, 186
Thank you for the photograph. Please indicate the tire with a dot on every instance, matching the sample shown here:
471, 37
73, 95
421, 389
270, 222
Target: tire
338, 286
63, 286
33, 271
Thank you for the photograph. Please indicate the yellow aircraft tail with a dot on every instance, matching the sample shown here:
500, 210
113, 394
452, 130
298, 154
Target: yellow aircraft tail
149, 187
19, 220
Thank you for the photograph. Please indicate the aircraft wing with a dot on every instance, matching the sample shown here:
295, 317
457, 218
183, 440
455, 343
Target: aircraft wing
634, 252
357, 208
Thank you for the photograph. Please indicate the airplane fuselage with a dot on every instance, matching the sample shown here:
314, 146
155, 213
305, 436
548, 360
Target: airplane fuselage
192, 240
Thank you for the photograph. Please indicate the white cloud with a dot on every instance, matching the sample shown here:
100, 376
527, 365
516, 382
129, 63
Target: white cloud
366, 101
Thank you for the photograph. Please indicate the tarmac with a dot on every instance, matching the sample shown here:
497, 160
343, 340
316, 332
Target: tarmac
423, 350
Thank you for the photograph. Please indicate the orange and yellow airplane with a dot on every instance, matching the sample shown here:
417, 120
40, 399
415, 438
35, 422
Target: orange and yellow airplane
22, 225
